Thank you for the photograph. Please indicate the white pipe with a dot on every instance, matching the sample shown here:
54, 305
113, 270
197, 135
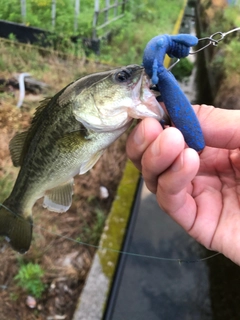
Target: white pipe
21, 88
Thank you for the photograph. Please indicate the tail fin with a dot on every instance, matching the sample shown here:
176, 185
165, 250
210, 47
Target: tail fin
16, 228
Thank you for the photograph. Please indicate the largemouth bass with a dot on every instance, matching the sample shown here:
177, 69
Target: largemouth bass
68, 134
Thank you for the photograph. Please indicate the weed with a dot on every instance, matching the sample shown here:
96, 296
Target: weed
225, 62
52, 67
29, 278
14, 296
91, 233
91, 198
143, 21
231, 59
183, 69
6, 184
12, 37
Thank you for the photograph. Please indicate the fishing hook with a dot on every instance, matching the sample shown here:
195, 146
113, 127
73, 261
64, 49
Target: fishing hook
214, 39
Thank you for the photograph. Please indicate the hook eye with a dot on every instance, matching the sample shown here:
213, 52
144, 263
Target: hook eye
216, 37
211, 42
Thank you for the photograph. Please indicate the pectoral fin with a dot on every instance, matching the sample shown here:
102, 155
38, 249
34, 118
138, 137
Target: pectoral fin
59, 199
16, 148
87, 165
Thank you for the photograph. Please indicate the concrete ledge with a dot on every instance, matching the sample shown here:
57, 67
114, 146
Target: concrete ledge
94, 295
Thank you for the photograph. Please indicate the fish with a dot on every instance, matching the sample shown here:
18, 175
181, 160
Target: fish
67, 135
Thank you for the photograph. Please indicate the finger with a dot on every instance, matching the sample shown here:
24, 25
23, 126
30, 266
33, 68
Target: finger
173, 188
140, 138
160, 155
235, 159
220, 127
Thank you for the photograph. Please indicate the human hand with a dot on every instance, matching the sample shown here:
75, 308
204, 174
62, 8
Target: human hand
200, 192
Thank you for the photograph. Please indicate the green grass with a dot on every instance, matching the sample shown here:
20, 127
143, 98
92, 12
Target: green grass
91, 232
29, 278
226, 58
144, 20
231, 61
129, 35
6, 184
183, 69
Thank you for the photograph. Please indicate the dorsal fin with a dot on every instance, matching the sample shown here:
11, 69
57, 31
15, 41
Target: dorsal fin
19, 144
16, 148
32, 129
43, 104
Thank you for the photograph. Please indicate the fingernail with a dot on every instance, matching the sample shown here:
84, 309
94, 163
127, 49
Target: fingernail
178, 163
138, 136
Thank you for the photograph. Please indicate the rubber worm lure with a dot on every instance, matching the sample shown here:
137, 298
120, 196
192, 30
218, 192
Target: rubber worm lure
178, 107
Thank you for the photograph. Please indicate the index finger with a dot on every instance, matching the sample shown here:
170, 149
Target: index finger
221, 127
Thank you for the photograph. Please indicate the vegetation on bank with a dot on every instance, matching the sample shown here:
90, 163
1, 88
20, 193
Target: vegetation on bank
128, 36
144, 20
225, 58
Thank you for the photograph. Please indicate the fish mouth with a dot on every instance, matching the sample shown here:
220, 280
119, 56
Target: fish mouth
147, 105
152, 87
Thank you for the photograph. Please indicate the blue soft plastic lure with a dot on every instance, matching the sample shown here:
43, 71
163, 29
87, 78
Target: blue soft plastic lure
178, 107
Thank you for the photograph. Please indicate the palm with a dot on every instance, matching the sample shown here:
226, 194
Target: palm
205, 199
216, 191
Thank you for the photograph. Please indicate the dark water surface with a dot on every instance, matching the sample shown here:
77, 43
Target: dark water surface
151, 289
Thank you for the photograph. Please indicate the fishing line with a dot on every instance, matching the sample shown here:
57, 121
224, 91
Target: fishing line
138, 255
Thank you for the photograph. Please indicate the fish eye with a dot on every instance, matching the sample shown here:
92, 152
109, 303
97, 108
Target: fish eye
122, 76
